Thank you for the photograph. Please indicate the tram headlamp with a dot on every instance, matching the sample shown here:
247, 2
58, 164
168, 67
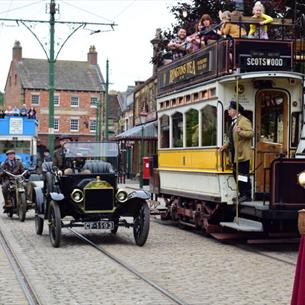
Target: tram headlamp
77, 195
301, 179
121, 195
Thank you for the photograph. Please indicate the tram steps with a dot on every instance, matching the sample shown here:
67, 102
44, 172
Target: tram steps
244, 225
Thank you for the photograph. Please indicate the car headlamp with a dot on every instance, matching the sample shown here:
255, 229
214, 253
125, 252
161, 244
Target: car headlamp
77, 195
121, 195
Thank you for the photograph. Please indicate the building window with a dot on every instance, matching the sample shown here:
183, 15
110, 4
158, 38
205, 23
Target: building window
74, 125
56, 124
92, 125
35, 99
74, 101
56, 100
93, 102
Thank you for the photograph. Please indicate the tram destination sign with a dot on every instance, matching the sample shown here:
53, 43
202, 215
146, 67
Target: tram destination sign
263, 63
263, 55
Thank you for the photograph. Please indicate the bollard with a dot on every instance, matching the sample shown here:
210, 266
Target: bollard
301, 221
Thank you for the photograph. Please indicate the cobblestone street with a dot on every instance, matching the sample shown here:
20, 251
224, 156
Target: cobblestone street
197, 269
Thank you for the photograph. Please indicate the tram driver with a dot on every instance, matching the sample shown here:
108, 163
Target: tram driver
239, 146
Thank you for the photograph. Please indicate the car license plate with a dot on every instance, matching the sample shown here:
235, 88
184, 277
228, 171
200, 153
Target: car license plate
101, 224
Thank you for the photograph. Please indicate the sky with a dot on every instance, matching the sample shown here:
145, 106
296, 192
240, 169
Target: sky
127, 48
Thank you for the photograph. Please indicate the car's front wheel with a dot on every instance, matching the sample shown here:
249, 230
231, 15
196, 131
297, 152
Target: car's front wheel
141, 224
54, 219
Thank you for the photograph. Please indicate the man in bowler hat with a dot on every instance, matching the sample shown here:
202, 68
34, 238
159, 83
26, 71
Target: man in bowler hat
239, 146
58, 159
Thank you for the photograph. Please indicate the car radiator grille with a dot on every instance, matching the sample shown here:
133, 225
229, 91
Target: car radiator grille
99, 200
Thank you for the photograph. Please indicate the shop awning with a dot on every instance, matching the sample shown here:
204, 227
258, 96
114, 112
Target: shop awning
135, 133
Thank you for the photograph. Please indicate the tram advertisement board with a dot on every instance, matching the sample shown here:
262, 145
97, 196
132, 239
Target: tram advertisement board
191, 69
263, 56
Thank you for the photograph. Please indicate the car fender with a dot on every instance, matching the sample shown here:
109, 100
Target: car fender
138, 194
39, 199
57, 196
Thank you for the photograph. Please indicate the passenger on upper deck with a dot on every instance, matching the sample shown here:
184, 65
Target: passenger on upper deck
9, 111
32, 113
193, 40
259, 32
2, 114
229, 29
16, 111
23, 110
208, 31
178, 45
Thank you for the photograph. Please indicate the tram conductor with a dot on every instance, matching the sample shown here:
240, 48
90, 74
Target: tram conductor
239, 146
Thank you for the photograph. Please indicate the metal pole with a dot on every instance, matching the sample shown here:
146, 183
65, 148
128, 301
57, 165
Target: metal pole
236, 149
107, 100
141, 156
100, 118
51, 78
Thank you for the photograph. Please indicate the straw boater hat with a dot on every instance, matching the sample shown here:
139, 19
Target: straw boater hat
10, 151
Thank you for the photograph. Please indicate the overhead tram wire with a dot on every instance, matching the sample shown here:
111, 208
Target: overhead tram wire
20, 7
84, 10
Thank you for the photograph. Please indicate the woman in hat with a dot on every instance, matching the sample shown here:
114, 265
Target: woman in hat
239, 145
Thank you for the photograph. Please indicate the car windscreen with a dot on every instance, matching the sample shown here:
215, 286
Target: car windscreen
91, 150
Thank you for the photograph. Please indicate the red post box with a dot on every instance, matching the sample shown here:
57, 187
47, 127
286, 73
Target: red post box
146, 167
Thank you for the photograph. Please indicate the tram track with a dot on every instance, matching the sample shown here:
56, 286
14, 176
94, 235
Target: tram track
132, 270
21, 276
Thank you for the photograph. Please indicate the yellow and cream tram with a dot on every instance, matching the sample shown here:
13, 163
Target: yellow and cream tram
193, 177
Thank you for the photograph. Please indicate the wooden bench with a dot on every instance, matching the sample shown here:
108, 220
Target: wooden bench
250, 20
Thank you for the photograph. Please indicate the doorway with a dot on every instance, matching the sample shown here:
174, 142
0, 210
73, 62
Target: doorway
271, 134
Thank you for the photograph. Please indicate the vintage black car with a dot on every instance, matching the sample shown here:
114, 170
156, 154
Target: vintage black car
87, 191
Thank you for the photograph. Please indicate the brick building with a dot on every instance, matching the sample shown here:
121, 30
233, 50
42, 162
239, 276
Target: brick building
79, 87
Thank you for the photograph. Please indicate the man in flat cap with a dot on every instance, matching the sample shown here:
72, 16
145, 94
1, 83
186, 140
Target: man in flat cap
240, 137
58, 159
14, 166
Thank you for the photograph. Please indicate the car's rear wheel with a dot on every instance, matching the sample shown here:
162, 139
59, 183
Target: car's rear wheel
22, 206
141, 224
38, 225
54, 219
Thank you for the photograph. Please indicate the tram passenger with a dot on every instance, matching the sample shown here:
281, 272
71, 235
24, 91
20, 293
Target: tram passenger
32, 113
208, 30
2, 114
14, 166
23, 110
9, 111
16, 111
178, 45
260, 31
193, 40
229, 29
240, 136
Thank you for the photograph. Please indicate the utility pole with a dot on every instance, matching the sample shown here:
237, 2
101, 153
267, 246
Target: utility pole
52, 57
107, 101
51, 78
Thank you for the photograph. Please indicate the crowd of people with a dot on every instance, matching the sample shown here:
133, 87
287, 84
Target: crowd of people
23, 111
206, 31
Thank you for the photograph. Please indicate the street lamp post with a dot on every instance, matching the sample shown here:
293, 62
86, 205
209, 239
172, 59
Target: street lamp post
143, 115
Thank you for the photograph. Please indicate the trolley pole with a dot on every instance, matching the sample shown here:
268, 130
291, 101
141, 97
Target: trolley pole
107, 101
51, 78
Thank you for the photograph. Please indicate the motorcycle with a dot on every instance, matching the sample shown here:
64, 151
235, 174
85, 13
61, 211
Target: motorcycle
17, 196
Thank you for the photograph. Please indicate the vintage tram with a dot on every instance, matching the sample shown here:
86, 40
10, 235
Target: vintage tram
192, 176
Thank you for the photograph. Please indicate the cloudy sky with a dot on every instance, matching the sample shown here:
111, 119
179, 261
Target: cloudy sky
128, 47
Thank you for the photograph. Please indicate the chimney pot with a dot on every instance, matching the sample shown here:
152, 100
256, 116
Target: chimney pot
17, 51
92, 55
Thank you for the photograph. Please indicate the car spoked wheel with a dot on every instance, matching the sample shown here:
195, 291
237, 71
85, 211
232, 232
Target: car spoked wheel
141, 224
54, 224
22, 206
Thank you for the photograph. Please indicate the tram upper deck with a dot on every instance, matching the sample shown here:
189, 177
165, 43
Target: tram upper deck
227, 57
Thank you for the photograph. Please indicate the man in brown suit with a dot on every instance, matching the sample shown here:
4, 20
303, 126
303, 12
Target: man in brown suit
58, 159
14, 166
239, 145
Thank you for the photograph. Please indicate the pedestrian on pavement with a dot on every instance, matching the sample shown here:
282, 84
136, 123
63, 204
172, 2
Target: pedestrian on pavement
239, 145
14, 166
